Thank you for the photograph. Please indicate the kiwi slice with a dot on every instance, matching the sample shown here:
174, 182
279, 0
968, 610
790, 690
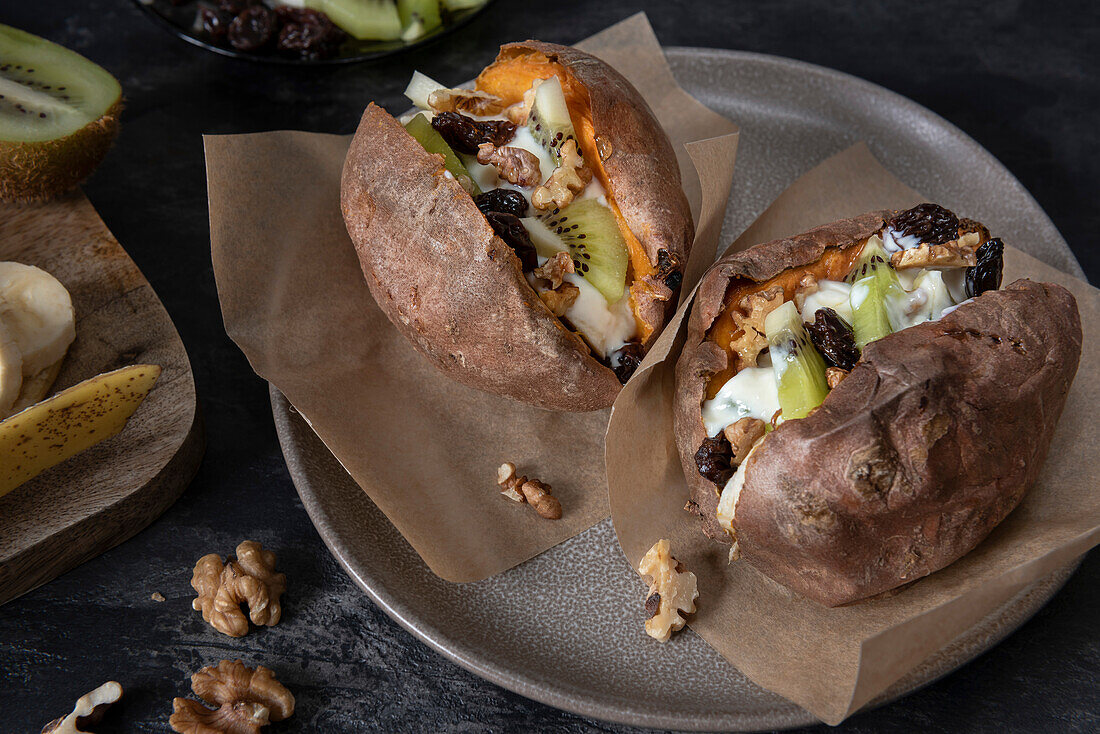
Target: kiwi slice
798, 366
375, 20
588, 231
549, 121
421, 129
874, 285
58, 116
418, 18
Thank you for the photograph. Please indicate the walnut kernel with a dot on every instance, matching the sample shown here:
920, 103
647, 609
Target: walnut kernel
958, 253
560, 299
249, 579
510, 483
555, 269
833, 376
465, 100
743, 435
674, 587
89, 709
569, 178
514, 165
750, 339
247, 699
533, 492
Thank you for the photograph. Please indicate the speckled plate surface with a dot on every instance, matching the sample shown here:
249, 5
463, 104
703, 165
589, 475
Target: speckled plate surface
565, 628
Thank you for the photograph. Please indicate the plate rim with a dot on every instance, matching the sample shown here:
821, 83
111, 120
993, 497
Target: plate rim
284, 414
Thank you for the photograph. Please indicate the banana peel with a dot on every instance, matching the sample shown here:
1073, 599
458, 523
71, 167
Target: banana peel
70, 422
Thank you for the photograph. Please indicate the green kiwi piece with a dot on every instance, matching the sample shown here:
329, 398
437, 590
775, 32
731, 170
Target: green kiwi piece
874, 285
549, 121
418, 18
376, 20
421, 129
798, 366
589, 231
58, 116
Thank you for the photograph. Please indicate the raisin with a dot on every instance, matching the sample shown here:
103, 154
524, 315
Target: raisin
985, 274
308, 34
464, 134
668, 269
930, 222
252, 29
511, 230
214, 22
629, 357
714, 459
502, 200
834, 338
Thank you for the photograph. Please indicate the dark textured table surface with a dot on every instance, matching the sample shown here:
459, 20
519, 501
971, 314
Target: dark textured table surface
1023, 78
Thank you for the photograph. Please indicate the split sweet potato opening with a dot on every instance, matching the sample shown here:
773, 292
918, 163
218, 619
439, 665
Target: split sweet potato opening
508, 79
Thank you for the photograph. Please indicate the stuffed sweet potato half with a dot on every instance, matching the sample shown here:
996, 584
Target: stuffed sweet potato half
860, 405
528, 235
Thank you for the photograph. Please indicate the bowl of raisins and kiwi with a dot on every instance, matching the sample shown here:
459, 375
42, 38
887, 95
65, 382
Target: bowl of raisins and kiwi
310, 31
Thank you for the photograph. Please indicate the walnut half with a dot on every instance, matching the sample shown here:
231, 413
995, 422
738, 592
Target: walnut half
672, 591
247, 699
515, 165
249, 579
569, 178
89, 709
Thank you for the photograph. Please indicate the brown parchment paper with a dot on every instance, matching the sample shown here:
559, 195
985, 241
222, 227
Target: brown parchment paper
424, 448
833, 661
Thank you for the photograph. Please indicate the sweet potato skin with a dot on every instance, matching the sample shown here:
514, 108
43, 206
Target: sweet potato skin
453, 288
927, 445
457, 291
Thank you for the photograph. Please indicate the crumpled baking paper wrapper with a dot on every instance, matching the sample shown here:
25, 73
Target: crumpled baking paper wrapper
833, 661
424, 448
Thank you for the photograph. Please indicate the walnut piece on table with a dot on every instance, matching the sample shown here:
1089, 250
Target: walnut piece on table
88, 711
247, 699
249, 579
672, 591
531, 491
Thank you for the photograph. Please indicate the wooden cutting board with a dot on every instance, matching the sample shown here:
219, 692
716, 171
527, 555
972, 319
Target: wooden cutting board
98, 499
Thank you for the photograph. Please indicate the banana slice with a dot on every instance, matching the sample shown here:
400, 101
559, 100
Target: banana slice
11, 370
38, 312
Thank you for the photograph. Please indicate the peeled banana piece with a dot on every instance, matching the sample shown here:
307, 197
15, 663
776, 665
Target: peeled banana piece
37, 312
11, 370
72, 421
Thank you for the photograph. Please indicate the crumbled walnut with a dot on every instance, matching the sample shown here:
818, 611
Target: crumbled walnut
465, 100
88, 711
806, 286
249, 579
519, 112
833, 376
510, 483
570, 177
515, 165
750, 339
246, 699
531, 491
538, 496
743, 435
157, 596
958, 253
674, 587
560, 299
555, 269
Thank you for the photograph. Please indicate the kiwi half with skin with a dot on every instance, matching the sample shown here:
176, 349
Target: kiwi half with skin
549, 121
587, 230
58, 116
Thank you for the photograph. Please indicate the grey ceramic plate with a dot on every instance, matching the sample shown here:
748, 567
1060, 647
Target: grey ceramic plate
565, 628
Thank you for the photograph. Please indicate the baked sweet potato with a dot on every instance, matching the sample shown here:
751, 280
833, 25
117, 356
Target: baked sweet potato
431, 249
918, 452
